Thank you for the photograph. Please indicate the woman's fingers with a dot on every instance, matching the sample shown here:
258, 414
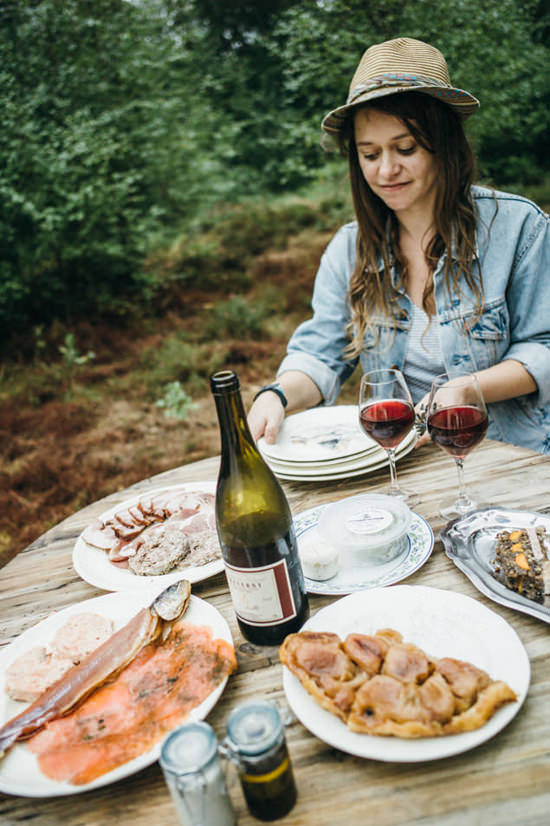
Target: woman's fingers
265, 417
422, 440
421, 410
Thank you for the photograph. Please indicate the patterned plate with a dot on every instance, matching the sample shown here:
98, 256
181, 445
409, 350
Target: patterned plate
360, 577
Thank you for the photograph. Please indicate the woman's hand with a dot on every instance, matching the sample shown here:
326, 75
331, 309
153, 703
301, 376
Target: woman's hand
266, 416
421, 412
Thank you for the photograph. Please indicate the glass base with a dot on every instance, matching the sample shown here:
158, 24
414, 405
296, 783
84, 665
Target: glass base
409, 497
461, 507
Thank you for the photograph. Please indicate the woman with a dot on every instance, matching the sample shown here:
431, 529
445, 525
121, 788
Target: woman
435, 275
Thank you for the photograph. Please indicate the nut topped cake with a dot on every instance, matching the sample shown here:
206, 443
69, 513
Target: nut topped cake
522, 562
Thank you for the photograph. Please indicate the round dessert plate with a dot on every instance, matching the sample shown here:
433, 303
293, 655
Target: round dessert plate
352, 577
364, 459
325, 472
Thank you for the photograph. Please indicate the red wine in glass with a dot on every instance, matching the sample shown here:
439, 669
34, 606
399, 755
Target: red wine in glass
387, 421
458, 429
457, 422
386, 413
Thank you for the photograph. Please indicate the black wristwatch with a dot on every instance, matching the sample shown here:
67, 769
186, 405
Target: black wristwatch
276, 388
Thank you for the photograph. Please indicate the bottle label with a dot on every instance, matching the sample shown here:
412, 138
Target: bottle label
261, 596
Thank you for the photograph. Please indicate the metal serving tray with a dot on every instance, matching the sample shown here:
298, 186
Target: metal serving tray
470, 542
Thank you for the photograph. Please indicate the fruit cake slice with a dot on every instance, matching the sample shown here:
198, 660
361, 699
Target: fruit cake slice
522, 562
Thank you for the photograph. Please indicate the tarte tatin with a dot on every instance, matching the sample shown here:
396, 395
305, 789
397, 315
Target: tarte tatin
378, 684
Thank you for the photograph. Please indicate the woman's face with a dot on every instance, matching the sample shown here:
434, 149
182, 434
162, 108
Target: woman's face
397, 169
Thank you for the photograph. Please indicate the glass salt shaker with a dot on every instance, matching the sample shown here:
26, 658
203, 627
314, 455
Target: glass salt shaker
192, 770
256, 743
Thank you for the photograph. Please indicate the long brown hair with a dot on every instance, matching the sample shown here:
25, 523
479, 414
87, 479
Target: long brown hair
438, 129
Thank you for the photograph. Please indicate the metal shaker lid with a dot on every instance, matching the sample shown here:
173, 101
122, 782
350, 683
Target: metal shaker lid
188, 748
254, 727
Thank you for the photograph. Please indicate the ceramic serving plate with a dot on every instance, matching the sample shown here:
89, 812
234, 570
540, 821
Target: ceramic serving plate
352, 577
19, 770
93, 565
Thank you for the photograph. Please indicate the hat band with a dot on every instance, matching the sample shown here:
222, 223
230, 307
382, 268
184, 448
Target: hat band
393, 79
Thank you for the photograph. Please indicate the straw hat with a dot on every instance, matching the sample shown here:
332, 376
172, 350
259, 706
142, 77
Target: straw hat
401, 65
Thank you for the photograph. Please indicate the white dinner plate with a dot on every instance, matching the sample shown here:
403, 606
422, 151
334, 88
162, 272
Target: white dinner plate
319, 434
92, 564
373, 459
325, 474
19, 771
330, 465
352, 577
443, 623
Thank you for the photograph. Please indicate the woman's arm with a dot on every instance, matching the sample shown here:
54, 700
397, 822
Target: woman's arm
505, 380
267, 413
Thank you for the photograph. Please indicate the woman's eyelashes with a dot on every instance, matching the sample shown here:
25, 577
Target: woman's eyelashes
401, 150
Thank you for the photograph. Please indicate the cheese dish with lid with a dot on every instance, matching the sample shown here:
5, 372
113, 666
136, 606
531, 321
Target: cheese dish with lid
370, 528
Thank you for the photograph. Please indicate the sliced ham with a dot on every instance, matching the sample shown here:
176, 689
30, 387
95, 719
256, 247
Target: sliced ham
99, 536
167, 526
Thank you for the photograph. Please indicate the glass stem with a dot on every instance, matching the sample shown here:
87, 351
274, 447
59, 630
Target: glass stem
462, 495
394, 487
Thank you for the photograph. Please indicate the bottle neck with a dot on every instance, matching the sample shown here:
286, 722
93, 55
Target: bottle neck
235, 434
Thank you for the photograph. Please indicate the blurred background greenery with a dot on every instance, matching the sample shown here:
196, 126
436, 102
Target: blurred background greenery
162, 141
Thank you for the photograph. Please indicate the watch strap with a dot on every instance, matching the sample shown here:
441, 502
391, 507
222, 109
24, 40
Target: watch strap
275, 387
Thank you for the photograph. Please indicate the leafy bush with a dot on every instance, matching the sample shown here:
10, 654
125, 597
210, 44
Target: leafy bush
237, 317
91, 152
176, 402
126, 123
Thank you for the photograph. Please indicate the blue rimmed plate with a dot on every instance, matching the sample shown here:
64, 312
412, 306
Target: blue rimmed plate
352, 578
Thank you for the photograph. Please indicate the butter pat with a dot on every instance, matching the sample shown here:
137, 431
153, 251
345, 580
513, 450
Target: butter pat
319, 559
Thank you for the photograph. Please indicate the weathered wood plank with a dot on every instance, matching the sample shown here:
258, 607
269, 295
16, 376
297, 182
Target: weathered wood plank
504, 782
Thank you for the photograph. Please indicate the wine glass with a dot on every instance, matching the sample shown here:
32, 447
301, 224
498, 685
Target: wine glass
386, 414
457, 422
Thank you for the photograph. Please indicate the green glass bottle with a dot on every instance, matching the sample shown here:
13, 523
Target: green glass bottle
255, 528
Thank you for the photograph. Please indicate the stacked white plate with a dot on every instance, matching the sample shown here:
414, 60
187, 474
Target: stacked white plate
326, 443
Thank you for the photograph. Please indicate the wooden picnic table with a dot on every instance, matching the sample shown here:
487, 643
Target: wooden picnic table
504, 782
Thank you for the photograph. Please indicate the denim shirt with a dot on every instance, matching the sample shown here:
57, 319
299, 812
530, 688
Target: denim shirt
513, 248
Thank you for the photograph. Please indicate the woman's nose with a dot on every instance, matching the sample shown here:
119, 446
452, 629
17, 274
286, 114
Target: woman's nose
389, 164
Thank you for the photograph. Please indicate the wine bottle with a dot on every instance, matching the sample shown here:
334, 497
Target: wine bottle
255, 528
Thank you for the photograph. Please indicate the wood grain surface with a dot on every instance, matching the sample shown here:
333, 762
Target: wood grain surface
504, 782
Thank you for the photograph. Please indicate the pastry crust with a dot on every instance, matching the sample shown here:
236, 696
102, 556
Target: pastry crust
377, 684
324, 668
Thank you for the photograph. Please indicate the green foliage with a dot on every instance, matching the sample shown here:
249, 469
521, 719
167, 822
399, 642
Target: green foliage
176, 402
237, 317
71, 355
125, 124
492, 50
91, 153
73, 360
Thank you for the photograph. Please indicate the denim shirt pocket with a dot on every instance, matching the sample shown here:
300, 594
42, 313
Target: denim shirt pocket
490, 334
480, 342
